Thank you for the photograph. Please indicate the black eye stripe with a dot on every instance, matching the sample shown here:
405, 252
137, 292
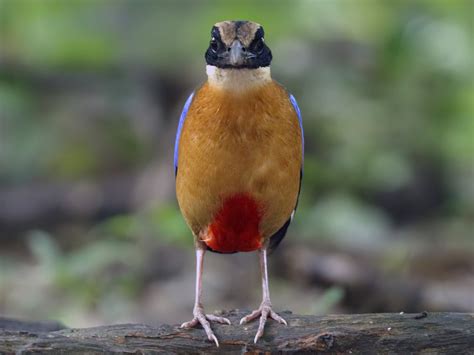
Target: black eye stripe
257, 42
216, 33
258, 38
259, 33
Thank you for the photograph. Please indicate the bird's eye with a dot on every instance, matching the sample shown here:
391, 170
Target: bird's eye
214, 45
259, 45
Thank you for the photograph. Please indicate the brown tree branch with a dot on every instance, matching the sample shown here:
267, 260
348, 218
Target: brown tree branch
447, 333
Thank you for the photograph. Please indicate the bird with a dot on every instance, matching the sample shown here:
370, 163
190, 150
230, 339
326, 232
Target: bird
238, 160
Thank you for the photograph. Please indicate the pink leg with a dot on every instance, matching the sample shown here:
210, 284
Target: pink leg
265, 309
199, 316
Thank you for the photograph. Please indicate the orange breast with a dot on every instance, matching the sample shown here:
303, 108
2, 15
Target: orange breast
239, 166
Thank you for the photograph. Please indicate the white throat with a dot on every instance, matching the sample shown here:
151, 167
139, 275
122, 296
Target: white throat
237, 79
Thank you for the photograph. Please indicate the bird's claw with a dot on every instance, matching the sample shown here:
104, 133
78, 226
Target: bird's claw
264, 311
217, 319
204, 319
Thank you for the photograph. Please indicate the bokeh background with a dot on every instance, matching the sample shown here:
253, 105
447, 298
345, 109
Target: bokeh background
90, 95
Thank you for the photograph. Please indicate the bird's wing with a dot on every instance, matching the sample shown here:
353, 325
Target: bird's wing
180, 128
276, 238
300, 119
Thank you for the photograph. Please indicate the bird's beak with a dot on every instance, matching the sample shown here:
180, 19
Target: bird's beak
236, 56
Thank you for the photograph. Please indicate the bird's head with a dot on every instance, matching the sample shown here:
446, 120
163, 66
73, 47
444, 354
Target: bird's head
238, 45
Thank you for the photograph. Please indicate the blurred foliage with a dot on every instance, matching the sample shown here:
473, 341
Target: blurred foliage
328, 300
93, 88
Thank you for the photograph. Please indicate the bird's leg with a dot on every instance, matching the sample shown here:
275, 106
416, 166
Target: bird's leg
265, 309
198, 312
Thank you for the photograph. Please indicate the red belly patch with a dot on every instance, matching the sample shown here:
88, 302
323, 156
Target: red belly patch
235, 226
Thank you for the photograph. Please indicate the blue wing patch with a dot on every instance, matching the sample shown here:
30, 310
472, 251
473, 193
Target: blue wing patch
180, 128
276, 238
300, 119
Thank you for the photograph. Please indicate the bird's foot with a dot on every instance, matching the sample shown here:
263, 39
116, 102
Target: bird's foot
264, 311
204, 320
